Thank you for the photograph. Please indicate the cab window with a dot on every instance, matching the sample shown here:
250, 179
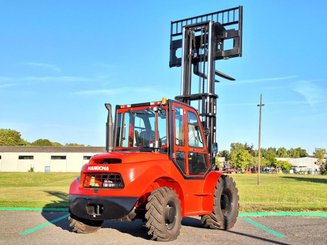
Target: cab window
194, 133
179, 126
197, 163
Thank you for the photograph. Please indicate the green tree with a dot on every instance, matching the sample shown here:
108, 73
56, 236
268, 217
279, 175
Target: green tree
320, 154
240, 157
225, 154
263, 162
284, 165
323, 168
281, 152
42, 142
303, 152
9, 137
297, 152
269, 156
250, 149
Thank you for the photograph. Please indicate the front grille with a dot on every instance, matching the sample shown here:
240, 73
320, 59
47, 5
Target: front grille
111, 181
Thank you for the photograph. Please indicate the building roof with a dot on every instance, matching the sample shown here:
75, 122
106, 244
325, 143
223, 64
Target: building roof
94, 149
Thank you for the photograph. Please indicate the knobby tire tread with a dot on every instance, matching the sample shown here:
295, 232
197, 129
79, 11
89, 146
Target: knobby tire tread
155, 207
217, 220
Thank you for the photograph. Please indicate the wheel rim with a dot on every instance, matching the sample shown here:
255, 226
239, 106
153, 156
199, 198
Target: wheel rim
226, 202
170, 215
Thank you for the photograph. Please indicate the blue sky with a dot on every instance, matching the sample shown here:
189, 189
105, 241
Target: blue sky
62, 60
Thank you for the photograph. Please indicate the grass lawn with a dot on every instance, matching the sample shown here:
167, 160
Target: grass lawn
282, 192
275, 192
35, 189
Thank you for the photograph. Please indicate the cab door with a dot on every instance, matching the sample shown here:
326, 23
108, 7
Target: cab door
191, 157
197, 156
190, 150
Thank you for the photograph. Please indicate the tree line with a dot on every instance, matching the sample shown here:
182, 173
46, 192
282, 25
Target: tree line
241, 156
244, 156
9, 137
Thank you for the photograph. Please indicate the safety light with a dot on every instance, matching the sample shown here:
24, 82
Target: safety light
163, 101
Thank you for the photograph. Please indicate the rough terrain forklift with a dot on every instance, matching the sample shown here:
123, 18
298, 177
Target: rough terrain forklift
160, 160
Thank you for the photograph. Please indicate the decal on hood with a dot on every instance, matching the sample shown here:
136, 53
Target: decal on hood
98, 168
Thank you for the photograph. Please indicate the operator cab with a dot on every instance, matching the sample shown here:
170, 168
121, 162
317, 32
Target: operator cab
141, 127
167, 127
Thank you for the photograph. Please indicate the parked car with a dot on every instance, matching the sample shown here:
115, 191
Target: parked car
230, 171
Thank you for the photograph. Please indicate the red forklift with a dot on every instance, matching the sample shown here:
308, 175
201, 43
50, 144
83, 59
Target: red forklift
160, 160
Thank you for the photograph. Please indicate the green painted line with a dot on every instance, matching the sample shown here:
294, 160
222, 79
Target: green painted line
41, 226
294, 214
262, 227
34, 209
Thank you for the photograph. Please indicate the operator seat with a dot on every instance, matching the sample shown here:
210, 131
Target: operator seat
146, 137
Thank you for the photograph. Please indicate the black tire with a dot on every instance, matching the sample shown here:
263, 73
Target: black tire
163, 215
84, 226
225, 209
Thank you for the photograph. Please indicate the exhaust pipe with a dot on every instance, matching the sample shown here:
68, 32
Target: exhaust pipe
109, 129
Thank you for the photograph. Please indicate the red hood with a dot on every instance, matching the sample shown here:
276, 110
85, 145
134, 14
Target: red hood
127, 157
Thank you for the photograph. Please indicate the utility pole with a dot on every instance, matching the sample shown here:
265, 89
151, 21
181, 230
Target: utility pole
259, 140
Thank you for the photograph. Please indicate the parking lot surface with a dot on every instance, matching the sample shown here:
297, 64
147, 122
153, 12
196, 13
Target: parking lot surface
26, 227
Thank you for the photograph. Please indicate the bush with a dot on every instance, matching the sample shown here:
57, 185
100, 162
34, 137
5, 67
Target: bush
323, 169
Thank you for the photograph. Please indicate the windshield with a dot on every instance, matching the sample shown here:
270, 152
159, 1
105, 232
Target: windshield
141, 128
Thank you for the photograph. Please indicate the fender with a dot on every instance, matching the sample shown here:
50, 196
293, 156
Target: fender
165, 181
209, 187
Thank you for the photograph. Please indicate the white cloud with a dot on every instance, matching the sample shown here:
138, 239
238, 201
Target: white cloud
97, 92
273, 103
7, 85
119, 91
44, 66
128, 95
52, 79
104, 66
266, 79
311, 91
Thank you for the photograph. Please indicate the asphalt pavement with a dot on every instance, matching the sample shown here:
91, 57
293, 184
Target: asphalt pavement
31, 227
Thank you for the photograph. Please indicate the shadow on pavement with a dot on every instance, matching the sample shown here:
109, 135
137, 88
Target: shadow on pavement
57, 212
61, 203
135, 228
195, 222
257, 237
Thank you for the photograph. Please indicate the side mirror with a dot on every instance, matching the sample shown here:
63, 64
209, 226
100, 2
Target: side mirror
214, 153
214, 149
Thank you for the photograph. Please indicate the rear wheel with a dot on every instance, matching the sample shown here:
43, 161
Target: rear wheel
84, 226
163, 215
225, 209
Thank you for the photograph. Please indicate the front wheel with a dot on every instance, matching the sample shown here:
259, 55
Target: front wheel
83, 226
225, 209
163, 215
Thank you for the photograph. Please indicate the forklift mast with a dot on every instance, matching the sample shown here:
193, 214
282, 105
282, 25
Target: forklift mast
195, 44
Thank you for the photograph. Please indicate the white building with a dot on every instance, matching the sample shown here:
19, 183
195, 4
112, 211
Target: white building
45, 159
306, 165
